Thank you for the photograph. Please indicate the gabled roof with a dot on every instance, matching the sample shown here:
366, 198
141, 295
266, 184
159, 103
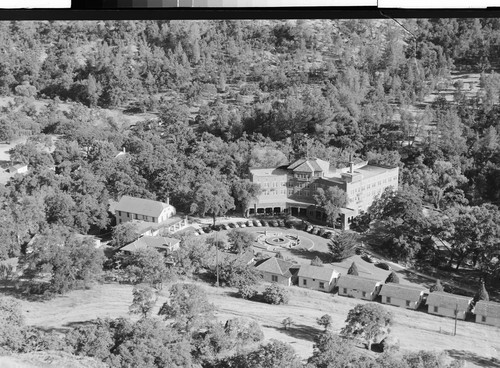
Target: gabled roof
489, 309
158, 242
447, 300
357, 282
322, 273
399, 291
140, 206
276, 266
309, 165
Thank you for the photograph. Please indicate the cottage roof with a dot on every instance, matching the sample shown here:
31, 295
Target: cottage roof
310, 165
140, 206
447, 300
489, 309
317, 272
158, 242
276, 266
357, 282
399, 291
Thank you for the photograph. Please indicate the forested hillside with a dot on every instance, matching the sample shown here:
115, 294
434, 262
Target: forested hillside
229, 95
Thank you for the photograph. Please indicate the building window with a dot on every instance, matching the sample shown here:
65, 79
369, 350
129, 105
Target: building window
135, 216
321, 285
119, 213
345, 291
388, 299
128, 214
435, 309
274, 278
364, 294
154, 219
304, 282
407, 303
483, 318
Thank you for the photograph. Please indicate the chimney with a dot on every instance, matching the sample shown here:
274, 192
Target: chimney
168, 201
351, 164
124, 150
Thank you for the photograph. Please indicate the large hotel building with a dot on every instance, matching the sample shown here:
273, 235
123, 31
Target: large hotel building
291, 188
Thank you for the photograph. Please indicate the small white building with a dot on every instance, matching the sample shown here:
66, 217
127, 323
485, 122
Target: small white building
160, 243
18, 169
275, 270
322, 278
133, 208
487, 313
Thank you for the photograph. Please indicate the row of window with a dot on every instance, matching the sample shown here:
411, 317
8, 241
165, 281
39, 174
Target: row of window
135, 216
321, 284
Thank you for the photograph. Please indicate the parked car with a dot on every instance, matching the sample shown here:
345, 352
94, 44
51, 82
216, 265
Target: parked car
249, 223
383, 266
264, 222
308, 228
232, 225
256, 223
241, 224
321, 232
274, 223
216, 227
206, 229
315, 230
367, 258
281, 223
329, 234
225, 226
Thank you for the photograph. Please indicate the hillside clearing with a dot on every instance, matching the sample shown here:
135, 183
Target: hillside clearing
478, 344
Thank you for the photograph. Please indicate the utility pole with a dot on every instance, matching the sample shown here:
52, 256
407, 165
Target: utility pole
217, 258
456, 314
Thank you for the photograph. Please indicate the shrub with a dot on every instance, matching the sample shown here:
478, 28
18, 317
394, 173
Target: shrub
247, 291
325, 321
437, 286
276, 294
353, 270
287, 322
392, 278
317, 262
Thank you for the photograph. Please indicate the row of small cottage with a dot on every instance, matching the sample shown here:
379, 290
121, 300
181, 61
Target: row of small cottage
326, 279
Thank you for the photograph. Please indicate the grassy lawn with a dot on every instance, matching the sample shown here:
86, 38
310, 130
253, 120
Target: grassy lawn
479, 344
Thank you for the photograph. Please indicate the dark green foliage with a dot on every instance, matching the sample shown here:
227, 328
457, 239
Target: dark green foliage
353, 270
316, 261
325, 321
332, 351
148, 266
72, 262
343, 246
392, 278
368, 322
241, 240
482, 294
276, 294
331, 201
437, 286
144, 300
188, 306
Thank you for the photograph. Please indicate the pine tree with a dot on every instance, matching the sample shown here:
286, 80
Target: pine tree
437, 287
482, 294
353, 270
392, 278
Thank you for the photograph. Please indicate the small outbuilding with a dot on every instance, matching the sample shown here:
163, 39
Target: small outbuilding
447, 305
160, 243
320, 278
400, 295
487, 313
275, 270
18, 169
359, 287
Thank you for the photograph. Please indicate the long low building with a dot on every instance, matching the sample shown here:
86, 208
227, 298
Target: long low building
160, 243
487, 313
359, 287
322, 278
447, 305
407, 296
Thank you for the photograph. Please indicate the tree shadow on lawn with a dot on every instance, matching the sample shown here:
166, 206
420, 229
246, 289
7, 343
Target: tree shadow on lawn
309, 254
474, 358
298, 331
416, 278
